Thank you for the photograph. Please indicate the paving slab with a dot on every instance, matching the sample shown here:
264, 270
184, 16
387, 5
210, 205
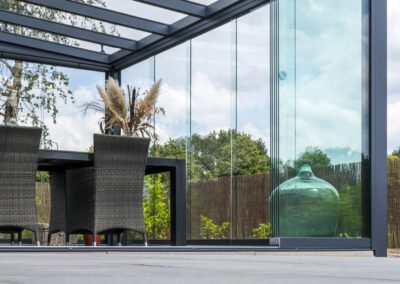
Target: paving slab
246, 267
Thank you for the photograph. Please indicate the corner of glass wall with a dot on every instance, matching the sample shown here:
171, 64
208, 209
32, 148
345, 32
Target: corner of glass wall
320, 105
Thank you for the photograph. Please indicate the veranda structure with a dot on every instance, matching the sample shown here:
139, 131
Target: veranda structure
286, 28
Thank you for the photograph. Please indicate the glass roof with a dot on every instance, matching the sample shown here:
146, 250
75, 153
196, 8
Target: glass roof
141, 10
83, 22
64, 40
129, 31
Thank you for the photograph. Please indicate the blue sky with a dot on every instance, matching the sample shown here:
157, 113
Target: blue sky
74, 132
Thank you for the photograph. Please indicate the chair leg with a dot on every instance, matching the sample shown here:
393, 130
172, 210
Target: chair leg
20, 238
12, 239
145, 239
49, 239
119, 239
94, 238
36, 234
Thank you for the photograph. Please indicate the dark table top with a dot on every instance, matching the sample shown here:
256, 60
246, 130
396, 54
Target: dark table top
55, 160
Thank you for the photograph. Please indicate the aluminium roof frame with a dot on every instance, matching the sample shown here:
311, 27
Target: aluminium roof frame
200, 19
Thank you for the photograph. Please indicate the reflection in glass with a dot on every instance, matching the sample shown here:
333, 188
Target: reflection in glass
251, 163
210, 148
322, 102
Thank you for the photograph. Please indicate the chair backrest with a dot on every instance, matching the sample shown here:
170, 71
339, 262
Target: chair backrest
119, 164
19, 148
120, 152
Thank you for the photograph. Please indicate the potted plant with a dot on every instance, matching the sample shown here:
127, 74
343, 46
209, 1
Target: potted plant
133, 115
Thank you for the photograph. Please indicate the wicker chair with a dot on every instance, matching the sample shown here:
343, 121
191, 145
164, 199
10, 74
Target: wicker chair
108, 198
19, 148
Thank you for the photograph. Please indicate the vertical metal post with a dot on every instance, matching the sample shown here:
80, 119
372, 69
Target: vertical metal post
178, 204
378, 37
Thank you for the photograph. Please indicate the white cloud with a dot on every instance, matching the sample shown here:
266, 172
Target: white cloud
74, 131
393, 74
393, 126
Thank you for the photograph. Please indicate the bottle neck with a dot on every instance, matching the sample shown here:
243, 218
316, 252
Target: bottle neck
305, 172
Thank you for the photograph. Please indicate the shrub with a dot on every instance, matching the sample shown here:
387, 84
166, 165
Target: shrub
263, 231
211, 231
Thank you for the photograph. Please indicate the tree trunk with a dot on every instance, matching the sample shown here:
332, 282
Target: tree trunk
13, 96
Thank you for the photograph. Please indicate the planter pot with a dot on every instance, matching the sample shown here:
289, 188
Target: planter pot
89, 240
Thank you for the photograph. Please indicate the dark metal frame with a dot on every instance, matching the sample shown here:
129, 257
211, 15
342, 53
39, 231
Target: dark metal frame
378, 125
200, 19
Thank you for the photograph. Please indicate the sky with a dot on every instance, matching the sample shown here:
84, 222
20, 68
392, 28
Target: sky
327, 75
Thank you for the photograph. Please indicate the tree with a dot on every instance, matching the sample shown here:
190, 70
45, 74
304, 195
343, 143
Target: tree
396, 152
313, 156
25, 87
210, 156
156, 205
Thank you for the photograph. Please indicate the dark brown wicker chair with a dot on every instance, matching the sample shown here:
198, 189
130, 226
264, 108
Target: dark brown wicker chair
108, 198
19, 149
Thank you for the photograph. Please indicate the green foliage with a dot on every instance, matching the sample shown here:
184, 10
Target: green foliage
315, 157
209, 156
157, 207
42, 177
396, 152
263, 231
350, 218
211, 231
91, 149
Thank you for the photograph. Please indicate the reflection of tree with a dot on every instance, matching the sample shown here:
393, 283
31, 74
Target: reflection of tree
315, 157
212, 155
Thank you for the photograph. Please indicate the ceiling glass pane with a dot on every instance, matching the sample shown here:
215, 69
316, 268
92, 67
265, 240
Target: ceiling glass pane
141, 10
56, 38
78, 21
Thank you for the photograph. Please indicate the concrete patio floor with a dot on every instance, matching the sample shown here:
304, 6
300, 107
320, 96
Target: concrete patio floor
260, 267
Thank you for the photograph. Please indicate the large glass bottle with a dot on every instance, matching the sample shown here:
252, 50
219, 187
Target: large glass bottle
308, 206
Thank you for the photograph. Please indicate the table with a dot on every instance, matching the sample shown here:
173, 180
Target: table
51, 160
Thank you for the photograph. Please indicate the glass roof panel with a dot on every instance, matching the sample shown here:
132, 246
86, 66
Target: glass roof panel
141, 10
56, 38
79, 21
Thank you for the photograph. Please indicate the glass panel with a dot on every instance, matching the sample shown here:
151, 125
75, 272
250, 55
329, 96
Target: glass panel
82, 84
323, 104
56, 38
141, 10
251, 146
210, 146
74, 20
140, 75
172, 127
52, 99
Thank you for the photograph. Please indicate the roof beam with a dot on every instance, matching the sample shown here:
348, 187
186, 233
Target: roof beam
181, 6
184, 30
13, 52
104, 15
66, 30
53, 47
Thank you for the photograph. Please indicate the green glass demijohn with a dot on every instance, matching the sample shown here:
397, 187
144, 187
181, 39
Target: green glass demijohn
308, 206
